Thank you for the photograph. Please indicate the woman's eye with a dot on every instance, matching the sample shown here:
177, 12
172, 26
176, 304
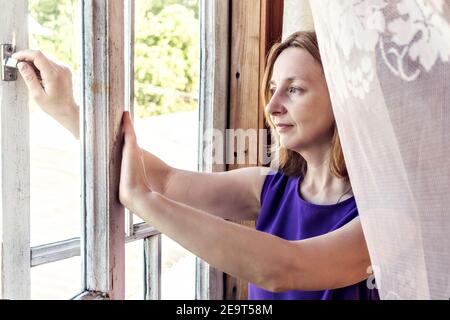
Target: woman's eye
294, 90
272, 91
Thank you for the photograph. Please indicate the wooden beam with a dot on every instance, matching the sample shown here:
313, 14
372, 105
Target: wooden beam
141, 231
214, 81
129, 27
152, 270
251, 38
66, 249
215, 18
91, 295
244, 95
15, 163
271, 32
53, 252
103, 61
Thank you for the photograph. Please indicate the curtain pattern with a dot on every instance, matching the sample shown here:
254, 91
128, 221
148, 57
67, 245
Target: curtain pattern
387, 65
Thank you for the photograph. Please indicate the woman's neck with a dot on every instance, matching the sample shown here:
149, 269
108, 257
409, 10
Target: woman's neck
320, 186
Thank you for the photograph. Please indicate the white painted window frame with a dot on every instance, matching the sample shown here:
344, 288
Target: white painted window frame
103, 236
107, 85
214, 83
15, 164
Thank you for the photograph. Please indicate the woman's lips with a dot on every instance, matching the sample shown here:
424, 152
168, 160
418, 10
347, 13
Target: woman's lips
282, 127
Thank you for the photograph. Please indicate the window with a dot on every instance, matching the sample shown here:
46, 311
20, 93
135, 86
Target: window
56, 246
54, 28
166, 112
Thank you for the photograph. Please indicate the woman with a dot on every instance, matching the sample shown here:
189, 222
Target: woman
309, 242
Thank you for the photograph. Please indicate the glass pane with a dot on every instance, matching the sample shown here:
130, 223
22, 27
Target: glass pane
59, 280
55, 153
178, 272
134, 270
167, 68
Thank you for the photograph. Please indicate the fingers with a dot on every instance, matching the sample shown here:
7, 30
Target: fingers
31, 80
130, 135
42, 63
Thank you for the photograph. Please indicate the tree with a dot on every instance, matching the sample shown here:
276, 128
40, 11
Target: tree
156, 6
166, 49
167, 60
61, 18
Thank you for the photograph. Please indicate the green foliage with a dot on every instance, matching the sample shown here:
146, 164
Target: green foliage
167, 60
156, 6
166, 49
60, 18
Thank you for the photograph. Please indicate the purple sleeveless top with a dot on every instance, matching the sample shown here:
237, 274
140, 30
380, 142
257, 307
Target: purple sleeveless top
286, 215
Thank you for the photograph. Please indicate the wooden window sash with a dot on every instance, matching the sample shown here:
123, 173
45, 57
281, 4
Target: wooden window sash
61, 250
152, 270
103, 236
129, 27
15, 165
104, 86
215, 15
53, 252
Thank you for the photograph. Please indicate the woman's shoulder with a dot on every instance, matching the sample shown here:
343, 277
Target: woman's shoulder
277, 182
276, 177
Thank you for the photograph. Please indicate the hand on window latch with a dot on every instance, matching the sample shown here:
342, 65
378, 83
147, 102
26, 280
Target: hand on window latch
12, 63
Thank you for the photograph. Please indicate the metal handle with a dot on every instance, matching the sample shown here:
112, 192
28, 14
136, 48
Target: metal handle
8, 73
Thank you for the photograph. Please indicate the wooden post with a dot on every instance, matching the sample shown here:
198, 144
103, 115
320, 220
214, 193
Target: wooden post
271, 32
103, 61
129, 27
251, 37
15, 163
215, 15
152, 269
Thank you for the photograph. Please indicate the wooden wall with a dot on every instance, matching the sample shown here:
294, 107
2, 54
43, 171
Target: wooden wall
252, 35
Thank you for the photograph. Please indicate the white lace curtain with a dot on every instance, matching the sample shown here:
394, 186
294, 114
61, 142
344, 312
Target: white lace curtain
388, 70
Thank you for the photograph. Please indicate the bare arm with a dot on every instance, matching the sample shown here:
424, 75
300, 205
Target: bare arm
233, 195
333, 260
230, 195
54, 94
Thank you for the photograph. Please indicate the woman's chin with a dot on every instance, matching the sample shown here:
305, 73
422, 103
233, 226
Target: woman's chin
292, 146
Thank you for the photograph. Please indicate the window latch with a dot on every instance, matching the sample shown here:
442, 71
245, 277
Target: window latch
9, 65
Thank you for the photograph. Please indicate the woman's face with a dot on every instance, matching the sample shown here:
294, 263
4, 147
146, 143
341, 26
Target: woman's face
300, 107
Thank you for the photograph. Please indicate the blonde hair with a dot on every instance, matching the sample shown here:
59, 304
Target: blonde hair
287, 161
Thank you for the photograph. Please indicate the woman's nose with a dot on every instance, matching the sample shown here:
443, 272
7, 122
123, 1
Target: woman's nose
275, 106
